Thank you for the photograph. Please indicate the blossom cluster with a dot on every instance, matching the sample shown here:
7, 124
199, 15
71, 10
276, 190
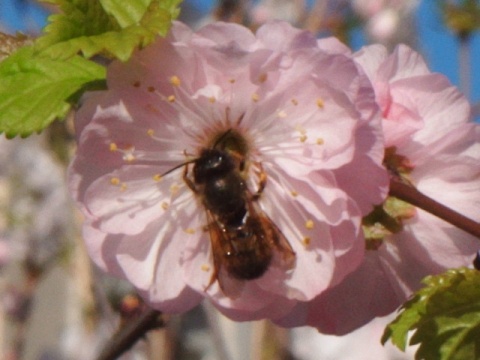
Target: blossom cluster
312, 133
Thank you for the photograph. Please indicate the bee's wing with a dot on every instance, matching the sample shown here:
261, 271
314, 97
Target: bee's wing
279, 242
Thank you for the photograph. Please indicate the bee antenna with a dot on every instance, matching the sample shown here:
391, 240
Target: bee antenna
177, 167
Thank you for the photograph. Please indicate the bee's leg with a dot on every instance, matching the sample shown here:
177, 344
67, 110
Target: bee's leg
189, 181
262, 182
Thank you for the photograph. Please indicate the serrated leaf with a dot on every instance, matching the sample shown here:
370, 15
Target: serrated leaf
112, 28
35, 90
126, 12
445, 316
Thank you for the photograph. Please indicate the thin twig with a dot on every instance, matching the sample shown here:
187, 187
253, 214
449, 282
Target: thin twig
413, 196
126, 337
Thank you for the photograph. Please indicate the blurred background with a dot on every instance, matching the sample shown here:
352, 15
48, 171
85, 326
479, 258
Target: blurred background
55, 305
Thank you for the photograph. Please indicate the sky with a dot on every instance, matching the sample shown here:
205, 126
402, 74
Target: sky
436, 43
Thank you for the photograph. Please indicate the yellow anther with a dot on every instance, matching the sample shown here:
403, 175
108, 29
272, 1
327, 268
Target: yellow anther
309, 224
113, 147
129, 157
281, 114
164, 205
175, 80
306, 240
190, 231
320, 141
212, 99
157, 177
171, 98
232, 81
205, 267
150, 132
262, 78
174, 189
123, 187
294, 101
255, 97
294, 193
320, 103
115, 181
303, 138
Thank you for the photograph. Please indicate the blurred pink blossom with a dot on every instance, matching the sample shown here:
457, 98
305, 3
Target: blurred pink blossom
306, 113
425, 120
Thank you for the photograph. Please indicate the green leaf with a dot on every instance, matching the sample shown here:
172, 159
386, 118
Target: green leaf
112, 28
445, 316
35, 90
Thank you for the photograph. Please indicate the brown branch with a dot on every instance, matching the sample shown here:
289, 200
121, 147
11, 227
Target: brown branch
127, 336
409, 194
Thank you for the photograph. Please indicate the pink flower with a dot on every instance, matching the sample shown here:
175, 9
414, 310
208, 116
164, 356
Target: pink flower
303, 116
431, 144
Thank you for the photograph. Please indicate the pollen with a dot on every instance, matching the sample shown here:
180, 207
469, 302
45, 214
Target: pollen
115, 181
113, 147
303, 138
294, 193
171, 98
294, 101
255, 97
205, 267
320, 141
309, 224
164, 205
129, 157
157, 177
320, 103
150, 132
212, 99
190, 231
175, 80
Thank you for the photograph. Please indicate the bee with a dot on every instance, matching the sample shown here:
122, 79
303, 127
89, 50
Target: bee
243, 238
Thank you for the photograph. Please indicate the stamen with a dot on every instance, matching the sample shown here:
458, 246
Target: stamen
255, 97
123, 187
262, 78
150, 132
294, 193
294, 101
175, 80
212, 99
309, 224
190, 231
164, 205
115, 181
303, 138
205, 267
320, 141
136, 84
157, 177
306, 240
113, 147
281, 114
320, 103
151, 89
128, 155
174, 189
171, 98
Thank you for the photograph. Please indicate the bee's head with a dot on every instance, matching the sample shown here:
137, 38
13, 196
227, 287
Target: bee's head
212, 163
